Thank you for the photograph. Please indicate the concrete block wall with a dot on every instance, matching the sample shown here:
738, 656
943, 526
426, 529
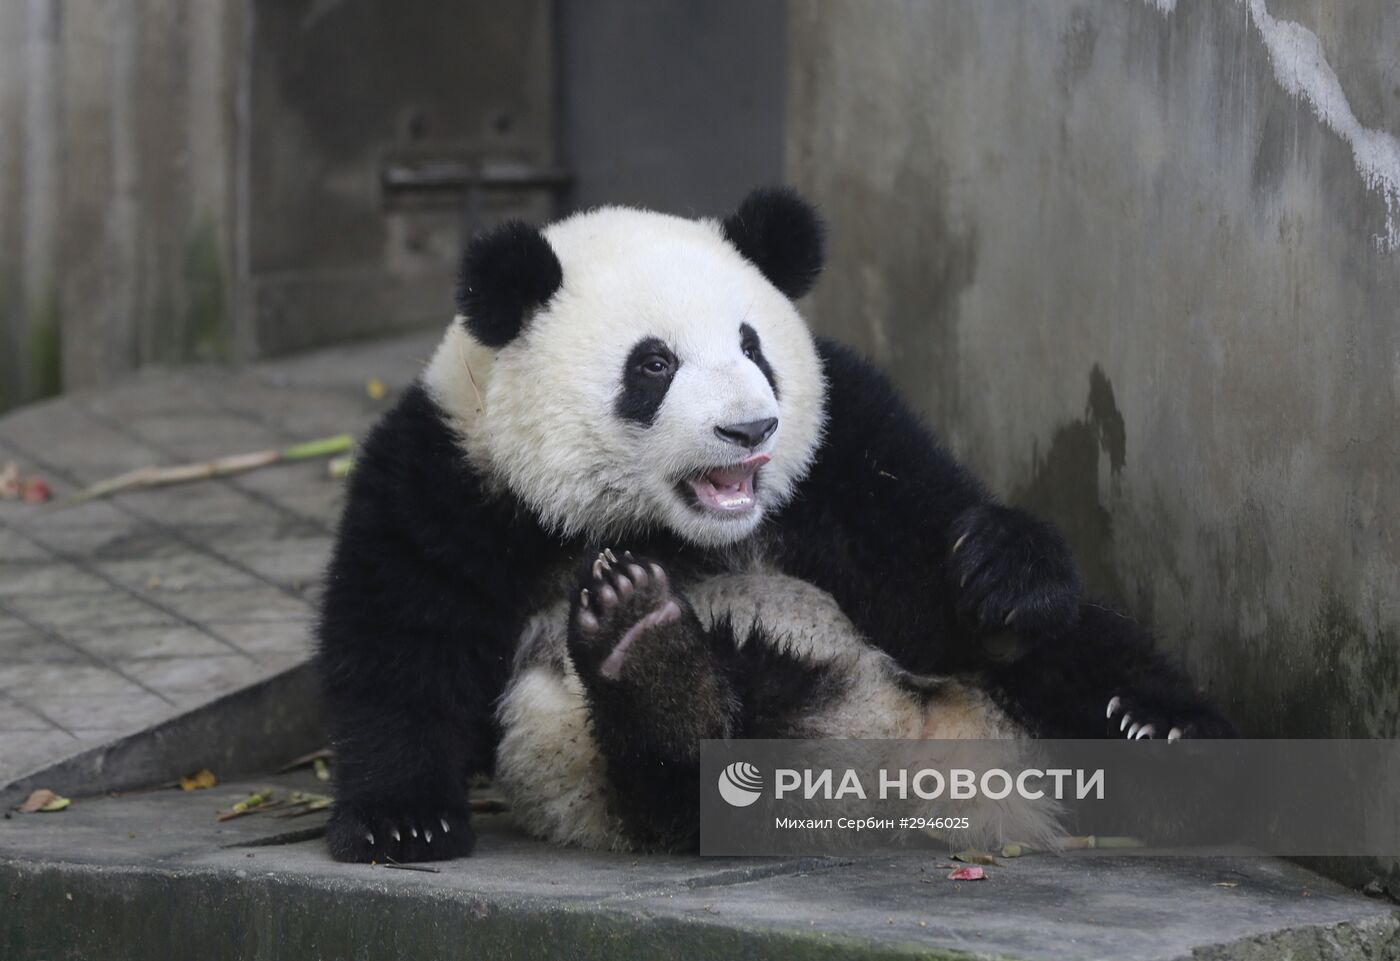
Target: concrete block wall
1138, 261
118, 126
186, 181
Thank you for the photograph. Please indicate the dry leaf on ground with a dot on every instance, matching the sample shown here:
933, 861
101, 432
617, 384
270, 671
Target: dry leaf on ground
199, 780
9, 481
43, 801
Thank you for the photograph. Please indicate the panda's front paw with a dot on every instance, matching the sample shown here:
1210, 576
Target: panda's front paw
1135, 718
623, 601
1011, 571
363, 833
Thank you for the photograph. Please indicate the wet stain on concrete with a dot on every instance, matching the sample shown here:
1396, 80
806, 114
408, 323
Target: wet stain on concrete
1332, 676
1103, 416
1064, 484
1078, 42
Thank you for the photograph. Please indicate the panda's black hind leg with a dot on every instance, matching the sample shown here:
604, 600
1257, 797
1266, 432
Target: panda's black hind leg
1107, 668
657, 683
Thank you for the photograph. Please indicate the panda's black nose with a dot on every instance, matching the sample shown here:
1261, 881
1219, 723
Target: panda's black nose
748, 434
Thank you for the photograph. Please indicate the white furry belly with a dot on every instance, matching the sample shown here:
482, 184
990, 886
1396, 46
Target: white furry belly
554, 776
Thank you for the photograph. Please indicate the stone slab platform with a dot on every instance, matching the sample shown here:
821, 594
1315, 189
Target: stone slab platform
153, 875
130, 618
162, 631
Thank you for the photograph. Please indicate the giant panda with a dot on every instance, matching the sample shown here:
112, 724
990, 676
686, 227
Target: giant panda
633, 502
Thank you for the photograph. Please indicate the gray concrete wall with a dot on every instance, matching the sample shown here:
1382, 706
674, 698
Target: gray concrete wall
117, 160
1137, 260
339, 90
202, 180
670, 104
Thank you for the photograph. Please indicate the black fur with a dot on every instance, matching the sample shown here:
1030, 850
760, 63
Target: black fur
426, 592
678, 684
646, 377
506, 272
753, 349
781, 234
876, 523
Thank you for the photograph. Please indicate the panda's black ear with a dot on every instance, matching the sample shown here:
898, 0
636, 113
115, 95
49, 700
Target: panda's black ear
507, 271
782, 235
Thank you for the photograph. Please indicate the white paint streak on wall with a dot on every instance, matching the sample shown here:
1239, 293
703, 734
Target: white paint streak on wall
1301, 67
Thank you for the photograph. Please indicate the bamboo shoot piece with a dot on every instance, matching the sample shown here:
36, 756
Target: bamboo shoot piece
145, 478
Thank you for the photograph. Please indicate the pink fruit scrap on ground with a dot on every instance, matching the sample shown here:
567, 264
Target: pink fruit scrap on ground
967, 873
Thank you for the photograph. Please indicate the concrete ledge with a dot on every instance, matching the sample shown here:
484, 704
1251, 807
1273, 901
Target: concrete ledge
254, 729
154, 876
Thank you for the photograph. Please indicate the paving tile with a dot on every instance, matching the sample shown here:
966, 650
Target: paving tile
14, 717
293, 561
97, 712
155, 392
256, 604
175, 572
100, 601
28, 517
308, 413
17, 549
269, 637
25, 751
200, 435
111, 608
93, 540
37, 680
47, 578
10, 624
29, 646
70, 439
208, 676
160, 640
290, 478
323, 505
198, 503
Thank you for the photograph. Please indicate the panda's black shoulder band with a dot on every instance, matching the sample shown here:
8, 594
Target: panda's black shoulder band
782, 235
507, 272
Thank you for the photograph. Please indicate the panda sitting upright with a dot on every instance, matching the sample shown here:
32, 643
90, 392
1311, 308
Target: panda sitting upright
633, 503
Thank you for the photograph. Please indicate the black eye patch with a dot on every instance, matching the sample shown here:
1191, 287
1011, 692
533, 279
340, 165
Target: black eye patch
753, 350
646, 377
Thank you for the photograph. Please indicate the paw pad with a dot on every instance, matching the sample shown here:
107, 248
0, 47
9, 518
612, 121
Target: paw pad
623, 597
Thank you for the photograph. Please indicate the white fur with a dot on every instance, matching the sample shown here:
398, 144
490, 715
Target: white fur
537, 416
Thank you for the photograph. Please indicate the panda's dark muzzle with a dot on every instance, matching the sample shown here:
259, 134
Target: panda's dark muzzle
750, 433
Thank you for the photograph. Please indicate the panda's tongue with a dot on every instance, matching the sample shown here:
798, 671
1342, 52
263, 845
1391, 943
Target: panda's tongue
728, 489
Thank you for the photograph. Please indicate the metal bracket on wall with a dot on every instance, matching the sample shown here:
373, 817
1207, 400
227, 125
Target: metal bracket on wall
450, 180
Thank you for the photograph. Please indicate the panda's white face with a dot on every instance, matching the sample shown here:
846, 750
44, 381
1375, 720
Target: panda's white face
667, 384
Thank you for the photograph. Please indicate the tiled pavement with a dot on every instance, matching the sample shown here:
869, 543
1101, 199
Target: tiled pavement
117, 615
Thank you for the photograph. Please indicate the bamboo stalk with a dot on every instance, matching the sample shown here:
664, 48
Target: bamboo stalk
144, 478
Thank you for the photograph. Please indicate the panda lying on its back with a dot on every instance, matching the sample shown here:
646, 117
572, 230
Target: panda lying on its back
626, 451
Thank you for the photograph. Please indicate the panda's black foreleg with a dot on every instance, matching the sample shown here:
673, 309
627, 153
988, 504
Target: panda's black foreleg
657, 683
1105, 677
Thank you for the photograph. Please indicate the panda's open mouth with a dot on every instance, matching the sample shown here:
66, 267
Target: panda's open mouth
726, 490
